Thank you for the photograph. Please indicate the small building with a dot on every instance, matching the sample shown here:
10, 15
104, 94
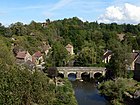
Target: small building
29, 64
46, 49
23, 56
133, 56
121, 36
44, 25
37, 58
137, 68
69, 48
107, 56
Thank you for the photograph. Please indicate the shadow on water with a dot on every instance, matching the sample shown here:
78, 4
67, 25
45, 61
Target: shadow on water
72, 77
86, 93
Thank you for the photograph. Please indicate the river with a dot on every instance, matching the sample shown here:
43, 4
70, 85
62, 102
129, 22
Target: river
86, 93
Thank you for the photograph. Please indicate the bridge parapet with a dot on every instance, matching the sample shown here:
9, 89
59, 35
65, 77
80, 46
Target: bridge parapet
82, 68
79, 70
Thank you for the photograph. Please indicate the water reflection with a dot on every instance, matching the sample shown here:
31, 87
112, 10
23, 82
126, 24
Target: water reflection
86, 93
72, 77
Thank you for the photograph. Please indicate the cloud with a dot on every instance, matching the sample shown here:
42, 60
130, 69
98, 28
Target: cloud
74, 8
28, 7
60, 4
127, 13
50, 12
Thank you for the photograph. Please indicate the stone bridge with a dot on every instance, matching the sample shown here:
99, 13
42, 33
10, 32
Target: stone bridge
79, 70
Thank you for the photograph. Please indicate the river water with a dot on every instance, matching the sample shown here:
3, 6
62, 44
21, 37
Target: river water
86, 93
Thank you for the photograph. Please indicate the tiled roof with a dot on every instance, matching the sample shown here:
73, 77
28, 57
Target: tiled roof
37, 54
21, 55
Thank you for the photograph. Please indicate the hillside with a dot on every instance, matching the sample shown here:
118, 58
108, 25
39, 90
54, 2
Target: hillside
91, 37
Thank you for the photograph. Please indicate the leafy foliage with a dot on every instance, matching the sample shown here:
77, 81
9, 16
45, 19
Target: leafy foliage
76, 32
21, 86
26, 88
116, 90
90, 40
120, 60
87, 56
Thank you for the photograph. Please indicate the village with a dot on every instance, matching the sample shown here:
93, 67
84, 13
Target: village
36, 60
70, 52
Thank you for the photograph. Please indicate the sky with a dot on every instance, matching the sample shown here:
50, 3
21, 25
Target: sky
103, 11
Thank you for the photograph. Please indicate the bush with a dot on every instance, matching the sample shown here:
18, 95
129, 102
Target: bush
130, 74
115, 90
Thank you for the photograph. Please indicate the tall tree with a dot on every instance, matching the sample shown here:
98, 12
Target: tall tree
86, 57
59, 55
119, 60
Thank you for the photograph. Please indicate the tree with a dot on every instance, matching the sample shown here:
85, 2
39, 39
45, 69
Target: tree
118, 91
119, 60
86, 57
2, 30
18, 29
6, 57
8, 32
52, 72
58, 56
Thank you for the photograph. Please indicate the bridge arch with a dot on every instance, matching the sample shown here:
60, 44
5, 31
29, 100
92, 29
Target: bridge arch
98, 74
61, 75
78, 71
85, 76
72, 74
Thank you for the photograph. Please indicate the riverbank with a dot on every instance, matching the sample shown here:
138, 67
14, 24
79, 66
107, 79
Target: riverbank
65, 93
121, 91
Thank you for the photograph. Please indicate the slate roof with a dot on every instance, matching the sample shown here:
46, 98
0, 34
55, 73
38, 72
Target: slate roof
138, 59
134, 55
107, 53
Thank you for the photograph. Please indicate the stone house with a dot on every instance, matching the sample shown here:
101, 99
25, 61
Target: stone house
37, 58
133, 56
69, 48
23, 56
137, 68
107, 56
29, 64
46, 49
45, 24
